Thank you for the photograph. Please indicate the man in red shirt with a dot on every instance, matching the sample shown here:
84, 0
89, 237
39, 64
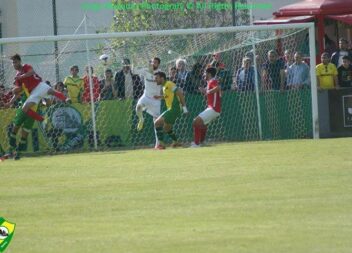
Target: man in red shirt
213, 94
31, 84
28, 81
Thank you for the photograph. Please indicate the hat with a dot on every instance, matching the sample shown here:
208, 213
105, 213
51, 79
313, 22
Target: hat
126, 62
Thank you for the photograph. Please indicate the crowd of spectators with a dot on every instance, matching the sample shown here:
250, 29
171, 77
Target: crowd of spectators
274, 72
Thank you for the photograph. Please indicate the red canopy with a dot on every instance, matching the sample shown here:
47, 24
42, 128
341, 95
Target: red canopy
284, 20
316, 7
347, 19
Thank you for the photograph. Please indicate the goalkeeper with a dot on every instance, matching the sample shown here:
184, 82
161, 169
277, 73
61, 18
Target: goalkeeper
175, 103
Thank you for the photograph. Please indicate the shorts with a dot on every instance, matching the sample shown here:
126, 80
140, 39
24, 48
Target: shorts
170, 116
208, 115
39, 92
150, 105
25, 121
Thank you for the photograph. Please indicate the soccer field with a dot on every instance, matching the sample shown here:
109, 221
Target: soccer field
267, 197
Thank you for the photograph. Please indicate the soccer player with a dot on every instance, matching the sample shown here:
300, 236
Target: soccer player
19, 121
34, 89
149, 101
175, 104
213, 93
28, 81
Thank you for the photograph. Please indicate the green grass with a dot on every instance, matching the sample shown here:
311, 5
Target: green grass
264, 197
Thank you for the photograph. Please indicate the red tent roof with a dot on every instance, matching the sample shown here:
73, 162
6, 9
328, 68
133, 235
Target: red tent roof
314, 7
343, 18
284, 20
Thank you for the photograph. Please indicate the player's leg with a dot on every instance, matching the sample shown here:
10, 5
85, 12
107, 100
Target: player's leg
12, 138
153, 109
140, 107
170, 119
200, 125
17, 122
26, 109
155, 133
34, 98
57, 94
26, 129
158, 125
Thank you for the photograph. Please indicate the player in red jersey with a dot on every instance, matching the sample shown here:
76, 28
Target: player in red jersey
28, 81
213, 94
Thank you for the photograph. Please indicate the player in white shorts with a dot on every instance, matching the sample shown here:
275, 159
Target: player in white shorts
148, 101
213, 95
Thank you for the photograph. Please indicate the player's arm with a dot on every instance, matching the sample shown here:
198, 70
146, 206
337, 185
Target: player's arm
29, 73
214, 90
182, 100
17, 91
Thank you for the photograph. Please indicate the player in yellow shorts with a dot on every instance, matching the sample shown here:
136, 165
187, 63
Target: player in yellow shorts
175, 104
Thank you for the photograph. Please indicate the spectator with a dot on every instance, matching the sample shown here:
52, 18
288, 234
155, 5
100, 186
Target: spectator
194, 79
128, 84
330, 46
181, 73
245, 78
95, 85
107, 87
343, 50
59, 86
172, 74
326, 73
222, 74
273, 72
298, 73
216, 62
288, 58
345, 72
74, 85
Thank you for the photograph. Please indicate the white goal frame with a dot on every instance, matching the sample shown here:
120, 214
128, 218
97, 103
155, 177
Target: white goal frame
232, 29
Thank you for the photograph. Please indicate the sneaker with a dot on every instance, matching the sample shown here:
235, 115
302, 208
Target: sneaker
16, 156
140, 124
159, 147
176, 144
8, 155
193, 145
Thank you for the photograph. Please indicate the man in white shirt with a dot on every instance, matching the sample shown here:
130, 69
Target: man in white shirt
149, 101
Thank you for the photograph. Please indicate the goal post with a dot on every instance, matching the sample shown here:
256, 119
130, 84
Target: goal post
106, 121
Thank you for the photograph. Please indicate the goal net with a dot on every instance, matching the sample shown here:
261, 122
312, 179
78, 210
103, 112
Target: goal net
259, 100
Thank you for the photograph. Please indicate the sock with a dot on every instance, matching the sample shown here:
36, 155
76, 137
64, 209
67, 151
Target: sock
156, 138
160, 133
197, 135
172, 135
139, 114
12, 141
22, 146
34, 115
60, 95
203, 134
